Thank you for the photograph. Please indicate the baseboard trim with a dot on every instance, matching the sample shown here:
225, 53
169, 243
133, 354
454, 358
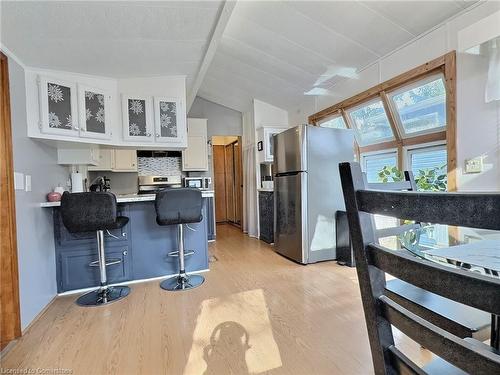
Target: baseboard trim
78, 291
38, 316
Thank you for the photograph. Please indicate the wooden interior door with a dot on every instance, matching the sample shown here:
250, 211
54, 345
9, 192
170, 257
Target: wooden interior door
238, 182
10, 325
219, 183
230, 194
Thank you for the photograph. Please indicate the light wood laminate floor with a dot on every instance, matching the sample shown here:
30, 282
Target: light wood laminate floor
256, 313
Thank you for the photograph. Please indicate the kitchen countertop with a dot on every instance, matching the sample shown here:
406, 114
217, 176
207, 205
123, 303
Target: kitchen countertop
126, 198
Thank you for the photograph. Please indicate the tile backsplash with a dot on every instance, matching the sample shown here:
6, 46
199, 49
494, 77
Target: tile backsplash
159, 166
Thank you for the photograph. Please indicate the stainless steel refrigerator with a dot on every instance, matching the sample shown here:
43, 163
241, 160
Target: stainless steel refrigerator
307, 190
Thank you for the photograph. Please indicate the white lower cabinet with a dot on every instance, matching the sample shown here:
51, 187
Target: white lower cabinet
195, 156
116, 160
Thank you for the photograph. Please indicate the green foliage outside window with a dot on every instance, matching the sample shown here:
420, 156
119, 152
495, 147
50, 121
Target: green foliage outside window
429, 179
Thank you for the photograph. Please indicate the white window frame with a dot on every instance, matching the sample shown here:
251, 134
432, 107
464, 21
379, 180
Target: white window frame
378, 154
349, 112
409, 87
332, 117
408, 151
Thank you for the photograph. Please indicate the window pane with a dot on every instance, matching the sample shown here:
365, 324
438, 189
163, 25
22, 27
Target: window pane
375, 163
336, 123
371, 124
423, 107
429, 169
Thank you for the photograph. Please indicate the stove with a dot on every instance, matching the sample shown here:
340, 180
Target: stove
153, 184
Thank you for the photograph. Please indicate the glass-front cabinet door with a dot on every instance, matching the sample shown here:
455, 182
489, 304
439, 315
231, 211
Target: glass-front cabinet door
58, 106
94, 108
137, 118
170, 125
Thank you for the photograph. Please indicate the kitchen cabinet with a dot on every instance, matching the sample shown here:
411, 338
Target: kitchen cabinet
78, 156
266, 216
116, 160
170, 125
265, 145
94, 105
105, 161
195, 156
58, 106
137, 118
68, 111
125, 161
76, 271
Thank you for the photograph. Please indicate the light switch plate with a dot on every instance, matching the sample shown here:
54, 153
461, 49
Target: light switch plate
27, 184
474, 165
18, 181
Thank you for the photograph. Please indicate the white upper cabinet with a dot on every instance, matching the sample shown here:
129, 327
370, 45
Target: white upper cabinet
137, 118
170, 125
195, 156
94, 106
128, 112
58, 106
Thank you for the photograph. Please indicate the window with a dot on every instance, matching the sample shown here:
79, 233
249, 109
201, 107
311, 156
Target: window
336, 122
374, 163
429, 164
370, 123
421, 107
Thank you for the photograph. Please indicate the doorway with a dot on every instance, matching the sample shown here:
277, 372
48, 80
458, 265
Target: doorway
10, 326
228, 179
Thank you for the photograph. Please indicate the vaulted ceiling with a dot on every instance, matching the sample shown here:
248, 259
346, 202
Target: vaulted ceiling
279, 51
275, 51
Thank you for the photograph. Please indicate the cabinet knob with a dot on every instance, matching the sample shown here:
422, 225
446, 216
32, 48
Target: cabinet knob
125, 252
76, 128
148, 134
157, 135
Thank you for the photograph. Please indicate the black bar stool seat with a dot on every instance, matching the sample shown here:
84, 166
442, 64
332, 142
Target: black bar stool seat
179, 206
95, 211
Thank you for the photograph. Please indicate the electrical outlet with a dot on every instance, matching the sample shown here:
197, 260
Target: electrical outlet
18, 181
474, 165
27, 183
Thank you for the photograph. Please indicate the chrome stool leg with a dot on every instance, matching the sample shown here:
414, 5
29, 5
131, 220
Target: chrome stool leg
105, 294
182, 281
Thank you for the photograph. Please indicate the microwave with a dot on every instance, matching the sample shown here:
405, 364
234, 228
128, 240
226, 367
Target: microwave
197, 182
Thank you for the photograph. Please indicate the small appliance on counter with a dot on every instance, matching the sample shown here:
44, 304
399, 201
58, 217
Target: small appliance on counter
76, 182
198, 182
101, 183
153, 184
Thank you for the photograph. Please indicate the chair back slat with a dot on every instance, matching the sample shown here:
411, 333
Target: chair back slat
374, 260
395, 185
481, 292
467, 210
459, 352
402, 363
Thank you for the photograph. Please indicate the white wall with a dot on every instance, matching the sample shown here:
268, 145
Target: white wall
35, 233
478, 123
269, 115
220, 120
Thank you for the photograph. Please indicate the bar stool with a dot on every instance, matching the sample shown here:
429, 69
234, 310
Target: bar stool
85, 212
179, 206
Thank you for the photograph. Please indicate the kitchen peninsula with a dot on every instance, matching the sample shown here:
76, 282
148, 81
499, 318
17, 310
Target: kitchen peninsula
141, 246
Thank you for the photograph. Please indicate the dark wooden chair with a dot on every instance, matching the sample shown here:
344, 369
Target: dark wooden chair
456, 355
461, 320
